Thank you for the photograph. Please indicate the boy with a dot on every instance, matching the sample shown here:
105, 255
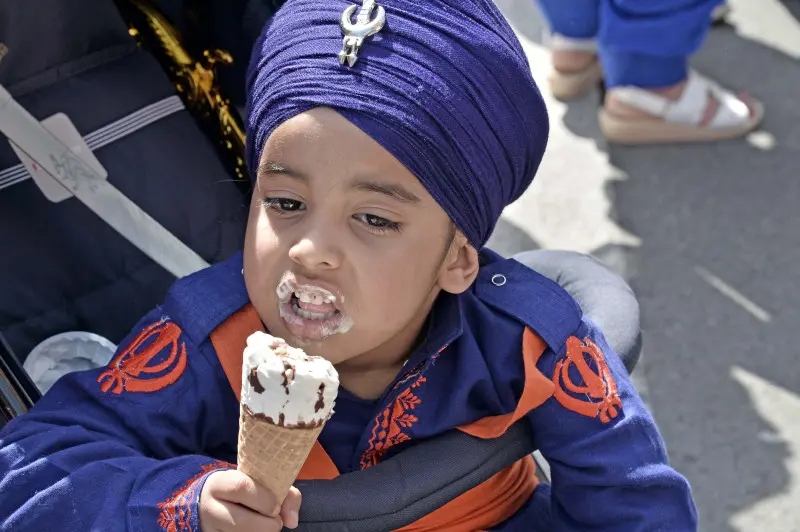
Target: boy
379, 174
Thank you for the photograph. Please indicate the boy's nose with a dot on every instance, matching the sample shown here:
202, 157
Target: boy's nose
315, 252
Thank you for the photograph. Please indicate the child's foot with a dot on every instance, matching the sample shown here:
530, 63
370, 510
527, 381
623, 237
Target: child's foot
576, 69
571, 61
695, 110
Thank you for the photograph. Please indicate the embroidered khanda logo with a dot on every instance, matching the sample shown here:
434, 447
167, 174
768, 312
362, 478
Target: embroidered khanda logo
138, 368
596, 395
365, 26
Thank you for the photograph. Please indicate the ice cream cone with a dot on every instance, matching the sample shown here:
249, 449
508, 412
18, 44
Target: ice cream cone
273, 455
287, 396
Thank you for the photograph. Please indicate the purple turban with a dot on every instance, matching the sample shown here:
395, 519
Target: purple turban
444, 86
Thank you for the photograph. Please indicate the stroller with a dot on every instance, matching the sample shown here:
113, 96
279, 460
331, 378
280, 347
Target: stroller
142, 100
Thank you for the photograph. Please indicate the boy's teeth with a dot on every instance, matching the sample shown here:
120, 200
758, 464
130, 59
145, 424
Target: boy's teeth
307, 314
316, 299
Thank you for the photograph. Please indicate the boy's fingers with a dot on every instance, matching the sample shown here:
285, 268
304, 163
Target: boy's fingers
290, 511
229, 517
234, 486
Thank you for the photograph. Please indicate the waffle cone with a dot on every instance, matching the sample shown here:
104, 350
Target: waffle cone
273, 455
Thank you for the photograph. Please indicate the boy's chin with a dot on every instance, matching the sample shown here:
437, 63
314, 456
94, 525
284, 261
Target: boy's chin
311, 340
331, 348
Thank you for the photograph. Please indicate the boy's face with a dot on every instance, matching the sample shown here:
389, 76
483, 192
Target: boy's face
345, 249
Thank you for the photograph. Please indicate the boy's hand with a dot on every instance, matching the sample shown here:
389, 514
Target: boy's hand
231, 501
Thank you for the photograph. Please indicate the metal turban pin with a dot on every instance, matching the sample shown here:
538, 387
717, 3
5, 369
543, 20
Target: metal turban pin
364, 26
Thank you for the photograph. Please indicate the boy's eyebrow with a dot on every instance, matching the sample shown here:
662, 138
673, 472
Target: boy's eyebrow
271, 167
397, 192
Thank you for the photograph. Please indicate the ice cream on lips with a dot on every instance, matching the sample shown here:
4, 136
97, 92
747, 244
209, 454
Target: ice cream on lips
284, 385
311, 312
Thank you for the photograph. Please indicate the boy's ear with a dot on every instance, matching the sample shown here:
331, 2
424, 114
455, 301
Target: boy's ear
460, 266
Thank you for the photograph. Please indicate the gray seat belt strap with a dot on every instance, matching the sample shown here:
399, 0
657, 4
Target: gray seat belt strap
81, 180
112, 132
410, 485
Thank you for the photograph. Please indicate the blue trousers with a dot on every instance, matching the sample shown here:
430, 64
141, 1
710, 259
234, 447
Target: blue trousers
645, 43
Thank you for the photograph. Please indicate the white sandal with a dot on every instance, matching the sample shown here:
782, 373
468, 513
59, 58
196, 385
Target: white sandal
677, 121
566, 86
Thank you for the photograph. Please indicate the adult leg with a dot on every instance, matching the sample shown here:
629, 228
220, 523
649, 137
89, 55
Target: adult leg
577, 19
648, 44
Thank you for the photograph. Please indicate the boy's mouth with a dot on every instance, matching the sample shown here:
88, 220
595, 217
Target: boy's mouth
310, 312
312, 308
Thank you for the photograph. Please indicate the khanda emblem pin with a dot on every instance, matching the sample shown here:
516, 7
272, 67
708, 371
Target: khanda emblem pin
364, 26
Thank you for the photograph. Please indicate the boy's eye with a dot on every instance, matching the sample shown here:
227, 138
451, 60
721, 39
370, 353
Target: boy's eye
377, 223
283, 204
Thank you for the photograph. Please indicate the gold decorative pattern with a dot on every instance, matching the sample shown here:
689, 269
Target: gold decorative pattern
195, 81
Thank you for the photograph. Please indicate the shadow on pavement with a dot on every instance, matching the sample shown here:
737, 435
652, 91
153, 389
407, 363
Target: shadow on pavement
793, 6
718, 280
706, 214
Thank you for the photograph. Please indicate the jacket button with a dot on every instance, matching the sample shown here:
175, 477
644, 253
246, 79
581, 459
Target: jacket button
498, 279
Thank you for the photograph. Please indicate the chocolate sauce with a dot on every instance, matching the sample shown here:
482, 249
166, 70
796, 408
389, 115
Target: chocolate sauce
287, 367
254, 382
282, 421
320, 401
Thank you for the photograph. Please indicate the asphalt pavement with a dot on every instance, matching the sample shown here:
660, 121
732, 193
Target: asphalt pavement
709, 238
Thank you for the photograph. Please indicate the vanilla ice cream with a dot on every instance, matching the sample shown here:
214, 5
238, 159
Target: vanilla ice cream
284, 385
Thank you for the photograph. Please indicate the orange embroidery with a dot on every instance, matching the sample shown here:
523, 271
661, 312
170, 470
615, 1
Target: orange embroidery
414, 373
598, 395
176, 511
130, 370
390, 425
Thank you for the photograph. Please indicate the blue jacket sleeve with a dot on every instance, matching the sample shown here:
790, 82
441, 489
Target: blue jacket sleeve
609, 466
123, 444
